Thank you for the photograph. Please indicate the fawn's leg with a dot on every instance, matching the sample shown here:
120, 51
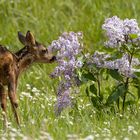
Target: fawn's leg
3, 100
12, 95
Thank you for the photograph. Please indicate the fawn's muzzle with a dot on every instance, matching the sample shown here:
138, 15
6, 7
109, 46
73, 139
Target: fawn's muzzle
53, 59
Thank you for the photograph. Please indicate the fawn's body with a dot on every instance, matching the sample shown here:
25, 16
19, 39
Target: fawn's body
12, 64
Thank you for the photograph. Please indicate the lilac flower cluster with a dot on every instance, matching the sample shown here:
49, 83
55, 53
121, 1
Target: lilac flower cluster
99, 58
122, 65
119, 31
68, 48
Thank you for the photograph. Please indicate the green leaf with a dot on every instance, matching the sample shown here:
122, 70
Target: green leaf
137, 74
115, 74
131, 94
96, 102
119, 91
133, 36
138, 92
136, 82
87, 92
93, 89
116, 55
89, 76
130, 103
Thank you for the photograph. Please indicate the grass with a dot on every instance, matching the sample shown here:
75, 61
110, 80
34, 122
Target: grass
47, 19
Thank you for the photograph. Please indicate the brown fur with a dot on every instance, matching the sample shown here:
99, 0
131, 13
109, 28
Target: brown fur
12, 64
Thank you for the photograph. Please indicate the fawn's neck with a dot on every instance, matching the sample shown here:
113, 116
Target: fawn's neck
25, 58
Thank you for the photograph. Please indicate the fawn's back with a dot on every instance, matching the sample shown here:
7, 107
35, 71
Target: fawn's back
6, 64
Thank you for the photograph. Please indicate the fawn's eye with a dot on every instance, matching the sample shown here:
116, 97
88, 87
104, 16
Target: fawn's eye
44, 51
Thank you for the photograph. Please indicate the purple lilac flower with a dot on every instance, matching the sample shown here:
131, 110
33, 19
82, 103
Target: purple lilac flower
118, 31
99, 58
68, 47
130, 26
63, 100
122, 65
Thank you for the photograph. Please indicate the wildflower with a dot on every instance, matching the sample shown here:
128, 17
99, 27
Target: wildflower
130, 26
119, 31
63, 100
99, 58
114, 31
67, 47
123, 64
89, 137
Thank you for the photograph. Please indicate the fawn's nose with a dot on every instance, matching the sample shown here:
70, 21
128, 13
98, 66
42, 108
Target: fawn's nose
53, 59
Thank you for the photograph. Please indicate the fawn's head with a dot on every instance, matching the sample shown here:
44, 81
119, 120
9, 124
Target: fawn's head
39, 51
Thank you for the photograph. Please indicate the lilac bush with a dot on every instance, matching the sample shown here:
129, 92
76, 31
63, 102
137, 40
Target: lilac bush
122, 64
125, 34
68, 49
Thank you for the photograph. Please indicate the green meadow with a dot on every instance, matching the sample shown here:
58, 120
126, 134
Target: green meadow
47, 20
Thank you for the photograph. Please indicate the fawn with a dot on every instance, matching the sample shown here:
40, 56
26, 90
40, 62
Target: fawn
12, 64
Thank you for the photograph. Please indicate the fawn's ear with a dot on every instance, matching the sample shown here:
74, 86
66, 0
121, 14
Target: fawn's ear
30, 39
22, 38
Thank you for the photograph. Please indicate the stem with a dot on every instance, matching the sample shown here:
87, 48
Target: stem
124, 97
118, 104
127, 81
99, 86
